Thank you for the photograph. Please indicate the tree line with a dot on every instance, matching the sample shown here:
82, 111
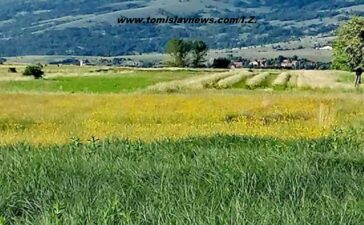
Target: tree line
348, 50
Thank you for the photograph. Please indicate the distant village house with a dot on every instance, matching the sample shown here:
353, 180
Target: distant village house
328, 48
288, 64
261, 63
236, 65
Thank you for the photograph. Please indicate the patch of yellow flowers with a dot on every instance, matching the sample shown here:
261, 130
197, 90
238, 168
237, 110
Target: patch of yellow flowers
56, 119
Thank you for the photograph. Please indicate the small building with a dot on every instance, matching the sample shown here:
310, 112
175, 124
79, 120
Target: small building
328, 48
261, 63
86, 62
289, 64
254, 63
236, 65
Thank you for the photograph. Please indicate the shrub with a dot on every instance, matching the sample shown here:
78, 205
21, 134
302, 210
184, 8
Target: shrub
12, 70
2, 60
34, 70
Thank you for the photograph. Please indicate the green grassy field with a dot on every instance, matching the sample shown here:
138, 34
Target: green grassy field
206, 154
217, 180
74, 79
106, 83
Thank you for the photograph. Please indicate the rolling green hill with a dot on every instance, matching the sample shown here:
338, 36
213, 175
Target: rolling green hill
82, 27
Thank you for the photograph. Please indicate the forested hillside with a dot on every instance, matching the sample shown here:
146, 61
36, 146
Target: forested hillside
89, 27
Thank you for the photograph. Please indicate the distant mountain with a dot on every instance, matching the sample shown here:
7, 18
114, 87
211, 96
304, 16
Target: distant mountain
89, 27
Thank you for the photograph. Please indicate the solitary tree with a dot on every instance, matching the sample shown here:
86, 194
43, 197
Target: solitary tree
35, 71
178, 49
199, 50
349, 45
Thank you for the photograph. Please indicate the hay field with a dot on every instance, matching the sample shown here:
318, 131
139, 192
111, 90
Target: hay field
264, 79
75, 79
76, 102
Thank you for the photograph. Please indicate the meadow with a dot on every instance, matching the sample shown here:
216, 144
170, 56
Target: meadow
74, 79
129, 146
57, 118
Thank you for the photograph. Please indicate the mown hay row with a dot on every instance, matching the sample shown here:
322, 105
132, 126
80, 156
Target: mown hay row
293, 80
281, 81
211, 80
230, 81
191, 83
172, 86
256, 81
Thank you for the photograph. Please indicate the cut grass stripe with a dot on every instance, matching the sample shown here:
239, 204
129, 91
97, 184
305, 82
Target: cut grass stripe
194, 83
257, 81
231, 81
280, 83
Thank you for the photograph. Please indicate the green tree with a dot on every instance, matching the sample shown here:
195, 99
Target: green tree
2, 60
221, 63
349, 45
199, 50
178, 50
34, 70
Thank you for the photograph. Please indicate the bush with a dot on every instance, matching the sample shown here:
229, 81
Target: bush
2, 60
12, 70
35, 71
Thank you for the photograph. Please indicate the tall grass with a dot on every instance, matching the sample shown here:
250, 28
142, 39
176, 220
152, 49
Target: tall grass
217, 180
309, 79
